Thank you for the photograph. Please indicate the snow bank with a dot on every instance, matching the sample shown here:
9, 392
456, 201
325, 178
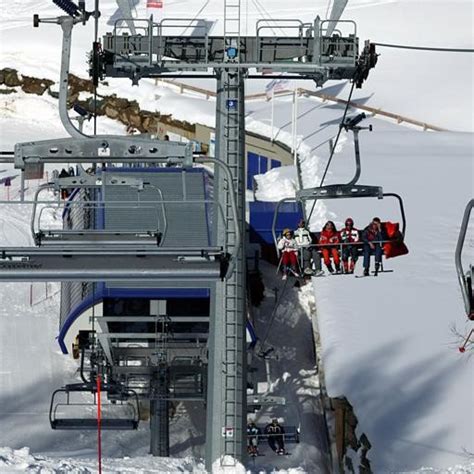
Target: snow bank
277, 184
20, 460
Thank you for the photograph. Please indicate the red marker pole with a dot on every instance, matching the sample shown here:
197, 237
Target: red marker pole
99, 440
468, 339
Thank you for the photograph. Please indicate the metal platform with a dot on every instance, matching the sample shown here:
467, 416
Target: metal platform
96, 267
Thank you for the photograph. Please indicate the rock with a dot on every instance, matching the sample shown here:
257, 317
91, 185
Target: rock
10, 78
32, 85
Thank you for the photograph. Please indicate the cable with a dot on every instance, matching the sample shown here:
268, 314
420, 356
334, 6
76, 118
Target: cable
272, 317
96, 39
327, 9
334, 146
424, 48
263, 15
270, 17
195, 17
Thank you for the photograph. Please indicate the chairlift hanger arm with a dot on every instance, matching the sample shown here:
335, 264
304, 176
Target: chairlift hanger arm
465, 279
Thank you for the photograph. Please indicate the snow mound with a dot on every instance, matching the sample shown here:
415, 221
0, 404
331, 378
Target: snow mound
20, 460
277, 184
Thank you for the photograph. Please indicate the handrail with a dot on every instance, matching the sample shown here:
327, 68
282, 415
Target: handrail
462, 277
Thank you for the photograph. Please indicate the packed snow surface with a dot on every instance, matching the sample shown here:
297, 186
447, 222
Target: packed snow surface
388, 342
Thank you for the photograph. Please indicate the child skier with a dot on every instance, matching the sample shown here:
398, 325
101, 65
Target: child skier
372, 237
253, 432
289, 253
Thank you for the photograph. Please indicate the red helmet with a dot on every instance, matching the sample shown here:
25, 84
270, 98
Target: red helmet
349, 222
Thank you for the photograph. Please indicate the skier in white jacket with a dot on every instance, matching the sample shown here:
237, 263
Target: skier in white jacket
304, 240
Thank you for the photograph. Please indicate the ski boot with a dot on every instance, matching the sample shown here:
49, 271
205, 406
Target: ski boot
330, 268
338, 268
352, 266
345, 265
377, 267
366, 272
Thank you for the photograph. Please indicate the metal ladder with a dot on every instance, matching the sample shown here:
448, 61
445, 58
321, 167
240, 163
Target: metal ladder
234, 290
232, 28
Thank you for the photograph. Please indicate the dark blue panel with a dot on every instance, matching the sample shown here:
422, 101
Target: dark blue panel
261, 219
253, 168
263, 164
275, 164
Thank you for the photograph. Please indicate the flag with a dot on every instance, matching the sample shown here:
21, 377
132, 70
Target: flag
277, 85
154, 3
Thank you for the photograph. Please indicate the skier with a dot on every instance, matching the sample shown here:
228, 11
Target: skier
304, 241
372, 237
289, 253
329, 238
349, 235
275, 433
253, 432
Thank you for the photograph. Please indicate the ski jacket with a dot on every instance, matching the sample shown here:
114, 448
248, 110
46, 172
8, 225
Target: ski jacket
287, 245
370, 234
303, 237
253, 430
329, 237
272, 429
349, 235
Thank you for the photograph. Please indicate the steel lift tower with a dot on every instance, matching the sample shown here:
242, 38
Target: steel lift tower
319, 51
306, 53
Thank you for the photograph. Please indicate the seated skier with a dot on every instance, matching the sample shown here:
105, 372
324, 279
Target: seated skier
253, 432
372, 236
275, 433
349, 235
304, 240
289, 253
329, 239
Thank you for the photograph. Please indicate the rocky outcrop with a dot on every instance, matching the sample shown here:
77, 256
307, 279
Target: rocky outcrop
125, 111
346, 437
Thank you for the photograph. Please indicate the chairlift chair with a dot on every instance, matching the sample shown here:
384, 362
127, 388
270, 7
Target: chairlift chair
289, 420
465, 278
348, 190
69, 411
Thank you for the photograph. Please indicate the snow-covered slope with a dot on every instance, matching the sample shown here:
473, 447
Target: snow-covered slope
387, 341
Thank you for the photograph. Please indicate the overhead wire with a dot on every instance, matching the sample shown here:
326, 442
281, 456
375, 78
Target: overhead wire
424, 48
274, 311
334, 146
195, 16
263, 14
271, 18
327, 9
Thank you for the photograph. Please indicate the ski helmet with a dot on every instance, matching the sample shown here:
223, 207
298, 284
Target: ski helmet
349, 222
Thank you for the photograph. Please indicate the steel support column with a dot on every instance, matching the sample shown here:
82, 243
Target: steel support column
226, 411
159, 415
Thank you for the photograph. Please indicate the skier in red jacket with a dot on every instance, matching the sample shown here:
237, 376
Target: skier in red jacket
329, 238
289, 253
351, 237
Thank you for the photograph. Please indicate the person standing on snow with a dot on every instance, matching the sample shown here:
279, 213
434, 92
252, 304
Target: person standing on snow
349, 235
372, 236
275, 433
289, 253
329, 239
304, 240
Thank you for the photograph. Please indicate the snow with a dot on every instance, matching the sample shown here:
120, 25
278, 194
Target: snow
387, 342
